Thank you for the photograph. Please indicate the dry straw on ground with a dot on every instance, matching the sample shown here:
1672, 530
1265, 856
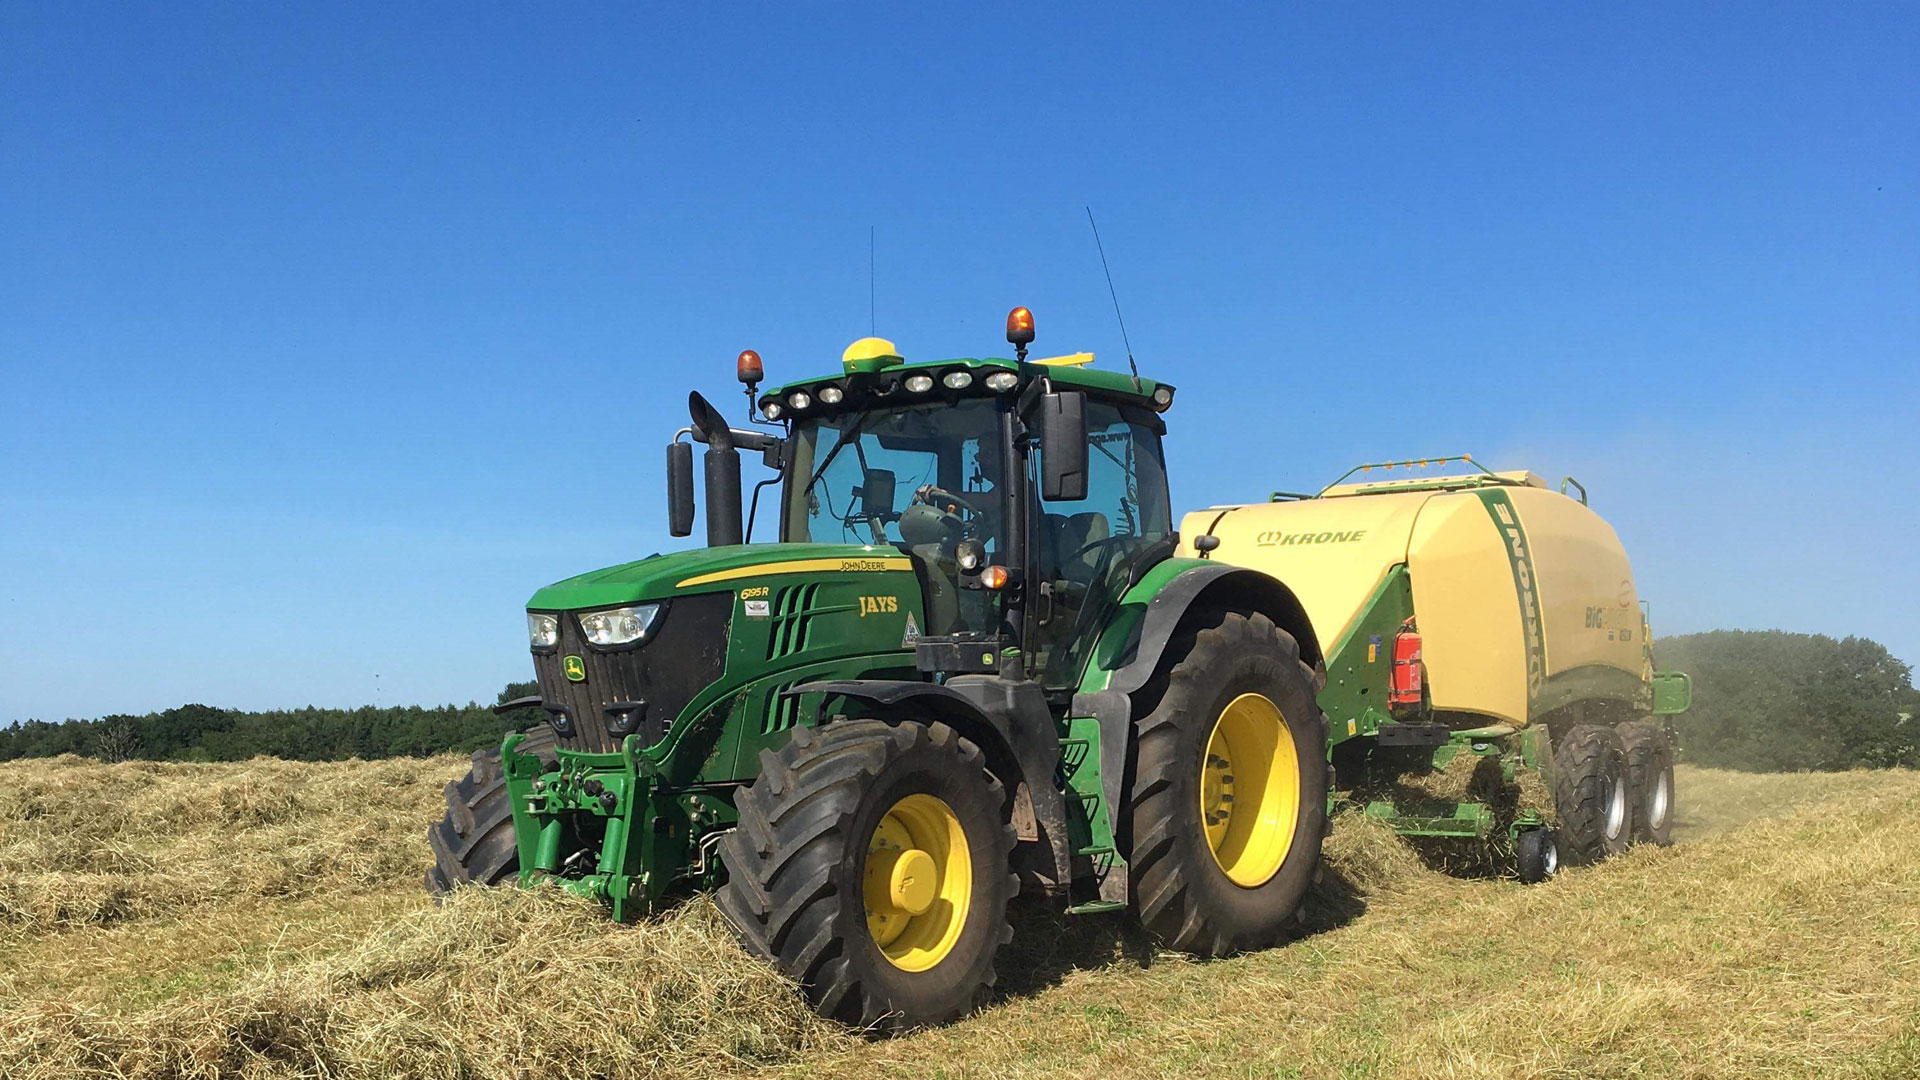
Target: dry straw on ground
496, 983
90, 844
264, 920
100, 866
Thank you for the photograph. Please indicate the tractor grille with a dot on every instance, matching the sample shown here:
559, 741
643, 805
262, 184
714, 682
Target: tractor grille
793, 615
686, 654
783, 709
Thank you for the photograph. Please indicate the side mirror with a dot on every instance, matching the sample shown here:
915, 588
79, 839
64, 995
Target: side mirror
1063, 446
680, 488
876, 494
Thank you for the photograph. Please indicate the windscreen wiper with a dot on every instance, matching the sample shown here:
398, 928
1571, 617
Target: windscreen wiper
851, 434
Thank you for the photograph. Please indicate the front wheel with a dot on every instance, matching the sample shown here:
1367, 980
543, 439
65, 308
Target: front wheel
474, 842
871, 865
1537, 855
1229, 795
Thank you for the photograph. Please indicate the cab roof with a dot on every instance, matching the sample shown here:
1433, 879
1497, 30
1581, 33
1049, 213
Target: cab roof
866, 383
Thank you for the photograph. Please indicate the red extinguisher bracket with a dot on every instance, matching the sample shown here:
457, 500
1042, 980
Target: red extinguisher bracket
1407, 686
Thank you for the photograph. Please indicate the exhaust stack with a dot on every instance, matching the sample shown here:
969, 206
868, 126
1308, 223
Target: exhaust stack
723, 472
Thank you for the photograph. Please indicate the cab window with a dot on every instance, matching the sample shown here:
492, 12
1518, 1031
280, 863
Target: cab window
919, 478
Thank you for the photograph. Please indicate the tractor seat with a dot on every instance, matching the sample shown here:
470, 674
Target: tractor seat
1068, 534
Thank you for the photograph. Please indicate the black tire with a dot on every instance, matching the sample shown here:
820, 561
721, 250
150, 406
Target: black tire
797, 864
1180, 891
1591, 794
474, 842
1537, 855
1650, 779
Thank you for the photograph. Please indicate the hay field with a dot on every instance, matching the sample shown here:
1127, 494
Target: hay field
265, 920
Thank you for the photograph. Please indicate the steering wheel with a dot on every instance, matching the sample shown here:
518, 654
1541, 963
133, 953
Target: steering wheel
943, 500
1095, 545
948, 504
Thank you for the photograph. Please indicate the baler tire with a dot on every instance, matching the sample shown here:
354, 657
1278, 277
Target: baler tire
1536, 856
1590, 768
1181, 890
797, 869
474, 843
1650, 779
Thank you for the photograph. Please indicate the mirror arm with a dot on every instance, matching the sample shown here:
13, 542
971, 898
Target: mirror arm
1029, 398
738, 439
753, 509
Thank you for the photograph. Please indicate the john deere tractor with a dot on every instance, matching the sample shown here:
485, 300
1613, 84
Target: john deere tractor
970, 665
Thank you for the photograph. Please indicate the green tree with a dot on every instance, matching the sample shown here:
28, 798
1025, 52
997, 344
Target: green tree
1770, 700
205, 733
520, 719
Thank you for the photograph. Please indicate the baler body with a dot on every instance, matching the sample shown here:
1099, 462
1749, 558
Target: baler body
1522, 596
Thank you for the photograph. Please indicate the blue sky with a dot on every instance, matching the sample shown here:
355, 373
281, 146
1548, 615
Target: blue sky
326, 336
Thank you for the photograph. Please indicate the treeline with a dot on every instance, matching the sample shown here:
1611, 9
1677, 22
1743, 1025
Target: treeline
1770, 701
205, 733
1763, 701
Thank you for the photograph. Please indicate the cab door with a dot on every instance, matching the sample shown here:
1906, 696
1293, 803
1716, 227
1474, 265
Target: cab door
1082, 551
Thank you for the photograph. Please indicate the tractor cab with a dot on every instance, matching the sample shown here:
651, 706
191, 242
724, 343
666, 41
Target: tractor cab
1025, 494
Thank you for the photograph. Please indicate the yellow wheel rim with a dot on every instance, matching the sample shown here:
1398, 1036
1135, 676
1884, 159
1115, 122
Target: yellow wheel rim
1250, 790
918, 882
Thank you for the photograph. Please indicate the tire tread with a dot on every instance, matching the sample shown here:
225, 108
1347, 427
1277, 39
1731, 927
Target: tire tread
795, 827
1162, 865
474, 843
1583, 763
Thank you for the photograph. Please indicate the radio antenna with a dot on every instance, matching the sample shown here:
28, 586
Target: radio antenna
1121, 319
873, 317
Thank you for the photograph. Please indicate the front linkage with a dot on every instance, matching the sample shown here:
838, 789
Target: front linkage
618, 806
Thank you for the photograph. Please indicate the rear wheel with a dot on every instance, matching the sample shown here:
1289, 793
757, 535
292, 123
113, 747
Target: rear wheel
871, 866
474, 842
1592, 794
1229, 793
1650, 780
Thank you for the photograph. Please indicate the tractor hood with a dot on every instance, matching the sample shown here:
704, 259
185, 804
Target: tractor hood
715, 569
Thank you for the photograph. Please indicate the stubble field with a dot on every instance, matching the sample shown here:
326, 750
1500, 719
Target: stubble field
266, 919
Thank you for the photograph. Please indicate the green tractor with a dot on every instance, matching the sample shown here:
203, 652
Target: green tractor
971, 665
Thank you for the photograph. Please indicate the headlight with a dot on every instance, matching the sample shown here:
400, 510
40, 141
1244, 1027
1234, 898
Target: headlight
772, 410
1002, 381
919, 384
1162, 397
799, 399
620, 626
958, 380
830, 395
543, 631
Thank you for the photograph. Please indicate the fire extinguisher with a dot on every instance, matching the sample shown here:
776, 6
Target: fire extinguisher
1407, 681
